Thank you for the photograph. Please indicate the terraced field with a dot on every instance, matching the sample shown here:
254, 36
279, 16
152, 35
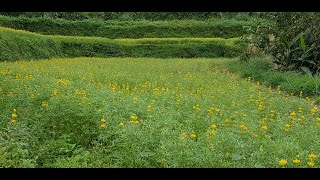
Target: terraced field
146, 102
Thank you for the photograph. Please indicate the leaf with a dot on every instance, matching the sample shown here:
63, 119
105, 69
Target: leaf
311, 62
285, 42
292, 66
306, 70
310, 49
302, 44
294, 40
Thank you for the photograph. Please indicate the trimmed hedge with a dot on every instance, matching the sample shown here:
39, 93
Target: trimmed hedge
19, 44
225, 28
153, 16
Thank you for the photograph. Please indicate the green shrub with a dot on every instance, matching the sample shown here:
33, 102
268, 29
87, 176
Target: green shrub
221, 27
17, 45
292, 40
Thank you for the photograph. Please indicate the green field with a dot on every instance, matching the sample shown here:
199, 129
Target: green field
148, 112
97, 89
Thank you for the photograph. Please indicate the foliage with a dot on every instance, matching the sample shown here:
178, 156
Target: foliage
17, 44
293, 41
219, 27
260, 68
152, 16
149, 112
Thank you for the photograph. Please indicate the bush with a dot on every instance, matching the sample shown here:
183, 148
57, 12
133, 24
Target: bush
18, 45
221, 27
295, 49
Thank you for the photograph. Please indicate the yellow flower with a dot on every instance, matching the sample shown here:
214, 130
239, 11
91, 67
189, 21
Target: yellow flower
184, 134
134, 122
264, 127
244, 127
14, 115
318, 118
133, 118
193, 135
227, 120
103, 120
310, 164
312, 156
287, 125
296, 161
149, 107
44, 104
213, 126
283, 162
103, 125
314, 110
13, 120
121, 124
292, 114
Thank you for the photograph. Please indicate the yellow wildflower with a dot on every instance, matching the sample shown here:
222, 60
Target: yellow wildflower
13, 120
121, 124
264, 127
103, 120
103, 125
213, 126
292, 114
44, 104
184, 134
283, 162
193, 135
296, 161
244, 127
133, 118
312, 156
314, 109
310, 164
14, 115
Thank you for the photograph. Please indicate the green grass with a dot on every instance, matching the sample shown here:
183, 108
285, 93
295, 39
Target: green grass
19, 44
219, 27
190, 113
260, 69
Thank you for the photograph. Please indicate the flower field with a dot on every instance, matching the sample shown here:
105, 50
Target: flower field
149, 112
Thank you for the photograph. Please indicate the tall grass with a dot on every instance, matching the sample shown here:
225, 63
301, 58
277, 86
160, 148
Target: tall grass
221, 27
19, 44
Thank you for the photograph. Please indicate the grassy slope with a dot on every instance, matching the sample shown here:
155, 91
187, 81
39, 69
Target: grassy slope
260, 69
225, 28
185, 97
19, 44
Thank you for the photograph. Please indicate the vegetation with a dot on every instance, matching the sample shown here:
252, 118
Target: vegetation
296, 49
223, 28
260, 68
128, 112
169, 89
133, 16
20, 44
